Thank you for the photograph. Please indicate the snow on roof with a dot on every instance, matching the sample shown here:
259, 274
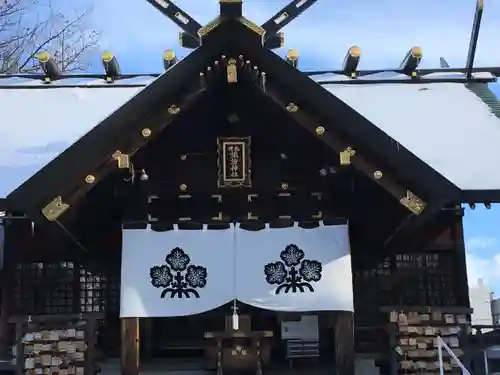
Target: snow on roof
389, 75
444, 124
38, 124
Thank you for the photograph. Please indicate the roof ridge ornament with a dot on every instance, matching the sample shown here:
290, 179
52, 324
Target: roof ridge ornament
474, 36
192, 31
282, 18
188, 24
231, 8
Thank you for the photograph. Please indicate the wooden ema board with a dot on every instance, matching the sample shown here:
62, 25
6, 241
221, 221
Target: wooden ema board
55, 344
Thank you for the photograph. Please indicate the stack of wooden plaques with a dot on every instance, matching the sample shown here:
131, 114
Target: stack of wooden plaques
49, 345
415, 340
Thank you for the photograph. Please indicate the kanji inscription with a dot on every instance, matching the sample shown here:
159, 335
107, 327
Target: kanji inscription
234, 162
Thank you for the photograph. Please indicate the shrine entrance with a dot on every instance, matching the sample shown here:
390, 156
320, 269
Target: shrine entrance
189, 343
282, 291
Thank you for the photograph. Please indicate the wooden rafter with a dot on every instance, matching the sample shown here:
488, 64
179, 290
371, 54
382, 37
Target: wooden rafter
150, 129
311, 123
412, 233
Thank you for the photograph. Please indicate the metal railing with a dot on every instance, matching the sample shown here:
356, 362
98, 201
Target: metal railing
442, 345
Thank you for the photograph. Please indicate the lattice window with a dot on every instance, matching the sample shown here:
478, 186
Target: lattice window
99, 292
58, 293
24, 291
113, 290
44, 288
92, 291
425, 279
64, 288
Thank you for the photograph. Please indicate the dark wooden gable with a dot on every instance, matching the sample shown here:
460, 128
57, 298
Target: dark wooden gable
90, 159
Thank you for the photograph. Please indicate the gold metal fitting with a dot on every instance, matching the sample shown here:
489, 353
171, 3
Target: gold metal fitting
355, 51
123, 160
292, 54
377, 175
183, 187
90, 179
169, 55
146, 132
54, 209
173, 110
43, 57
320, 130
107, 56
292, 107
346, 155
417, 52
231, 71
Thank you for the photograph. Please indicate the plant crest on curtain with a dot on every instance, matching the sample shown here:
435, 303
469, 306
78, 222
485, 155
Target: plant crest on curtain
295, 269
175, 273
183, 272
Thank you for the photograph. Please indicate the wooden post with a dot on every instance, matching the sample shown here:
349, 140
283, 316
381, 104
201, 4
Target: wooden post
392, 330
130, 346
146, 333
5, 301
344, 343
90, 338
19, 349
457, 232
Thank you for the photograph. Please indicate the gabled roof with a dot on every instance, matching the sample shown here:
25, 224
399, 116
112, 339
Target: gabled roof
118, 130
385, 124
447, 116
39, 124
444, 124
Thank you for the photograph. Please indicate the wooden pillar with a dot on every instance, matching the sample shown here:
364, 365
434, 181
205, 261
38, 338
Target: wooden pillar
7, 250
344, 343
457, 231
5, 301
147, 339
130, 346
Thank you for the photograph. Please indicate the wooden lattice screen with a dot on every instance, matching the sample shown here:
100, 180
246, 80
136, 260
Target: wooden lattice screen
416, 279
64, 287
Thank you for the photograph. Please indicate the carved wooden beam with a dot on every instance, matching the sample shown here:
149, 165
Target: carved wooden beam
120, 158
348, 154
416, 230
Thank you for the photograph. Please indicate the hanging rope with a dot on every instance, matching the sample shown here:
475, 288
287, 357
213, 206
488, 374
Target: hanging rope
235, 318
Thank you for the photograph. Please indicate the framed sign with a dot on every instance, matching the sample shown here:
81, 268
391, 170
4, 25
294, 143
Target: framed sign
234, 163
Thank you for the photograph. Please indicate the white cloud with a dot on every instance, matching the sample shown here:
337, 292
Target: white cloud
481, 243
485, 267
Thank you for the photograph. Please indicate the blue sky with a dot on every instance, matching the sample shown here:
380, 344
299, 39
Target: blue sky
384, 29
